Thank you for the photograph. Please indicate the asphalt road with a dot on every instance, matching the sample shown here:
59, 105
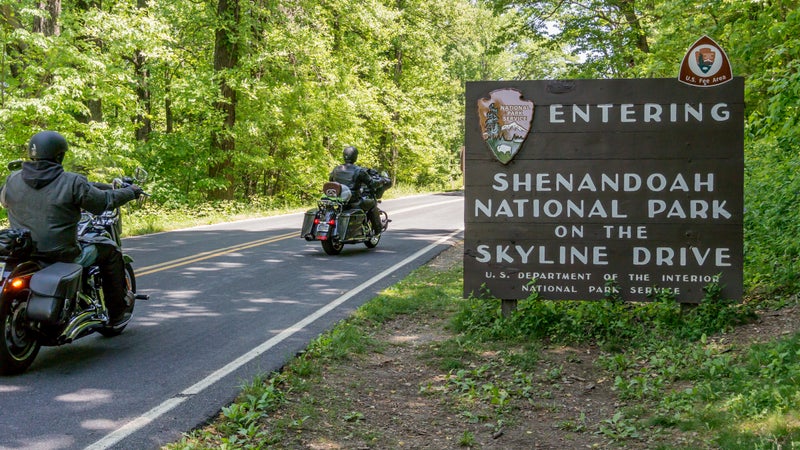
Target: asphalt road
228, 302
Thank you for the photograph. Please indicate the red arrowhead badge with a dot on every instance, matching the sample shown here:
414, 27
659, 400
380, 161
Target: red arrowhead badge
505, 121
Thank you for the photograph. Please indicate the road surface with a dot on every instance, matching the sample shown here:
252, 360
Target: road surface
228, 302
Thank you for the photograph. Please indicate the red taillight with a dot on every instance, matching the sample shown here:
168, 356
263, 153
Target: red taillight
331, 222
316, 220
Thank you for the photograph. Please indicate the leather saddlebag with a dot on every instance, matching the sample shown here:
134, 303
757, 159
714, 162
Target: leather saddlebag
52, 288
308, 223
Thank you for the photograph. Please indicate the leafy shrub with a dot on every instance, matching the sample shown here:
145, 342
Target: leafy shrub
610, 323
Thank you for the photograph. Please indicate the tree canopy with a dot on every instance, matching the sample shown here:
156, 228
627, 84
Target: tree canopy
231, 99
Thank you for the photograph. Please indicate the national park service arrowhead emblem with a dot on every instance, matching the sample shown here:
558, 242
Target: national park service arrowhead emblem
505, 120
705, 64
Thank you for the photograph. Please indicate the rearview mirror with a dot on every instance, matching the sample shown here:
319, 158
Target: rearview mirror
15, 165
140, 175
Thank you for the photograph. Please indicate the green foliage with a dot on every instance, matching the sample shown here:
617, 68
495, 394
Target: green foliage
611, 323
772, 250
650, 349
309, 78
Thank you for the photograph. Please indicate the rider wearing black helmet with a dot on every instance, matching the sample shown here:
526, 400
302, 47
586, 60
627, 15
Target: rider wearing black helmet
355, 177
47, 200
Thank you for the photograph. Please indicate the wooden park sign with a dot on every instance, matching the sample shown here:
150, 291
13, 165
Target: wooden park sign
590, 189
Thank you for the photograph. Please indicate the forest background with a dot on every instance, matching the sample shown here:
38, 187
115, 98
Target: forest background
230, 102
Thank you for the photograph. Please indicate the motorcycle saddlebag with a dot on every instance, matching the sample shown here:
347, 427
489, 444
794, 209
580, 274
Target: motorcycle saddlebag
51, 289
350, 224
308, 223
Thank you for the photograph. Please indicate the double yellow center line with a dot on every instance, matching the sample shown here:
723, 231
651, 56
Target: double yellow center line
211, 254
235, 248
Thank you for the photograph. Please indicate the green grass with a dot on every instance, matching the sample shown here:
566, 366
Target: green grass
742, 398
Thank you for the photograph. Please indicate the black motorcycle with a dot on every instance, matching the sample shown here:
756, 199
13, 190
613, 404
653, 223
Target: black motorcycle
50, 304
337, 221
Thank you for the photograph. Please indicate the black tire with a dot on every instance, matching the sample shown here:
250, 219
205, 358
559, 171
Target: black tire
18, 346
373, 241
130, 282
331, 247
384, 221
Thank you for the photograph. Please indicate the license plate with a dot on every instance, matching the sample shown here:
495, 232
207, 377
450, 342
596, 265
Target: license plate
323, 228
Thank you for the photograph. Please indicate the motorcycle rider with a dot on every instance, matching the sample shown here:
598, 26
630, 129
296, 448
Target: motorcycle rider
354, 177
47, 200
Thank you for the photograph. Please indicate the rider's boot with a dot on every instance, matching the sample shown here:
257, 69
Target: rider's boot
112, 271
375, 219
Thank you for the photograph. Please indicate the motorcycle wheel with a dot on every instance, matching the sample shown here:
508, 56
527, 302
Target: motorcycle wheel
373, 241
384, 221
332, 248
130, 282
18, 346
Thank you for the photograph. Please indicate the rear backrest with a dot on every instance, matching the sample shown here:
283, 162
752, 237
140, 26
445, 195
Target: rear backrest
332, 189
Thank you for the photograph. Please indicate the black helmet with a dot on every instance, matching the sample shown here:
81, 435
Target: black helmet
350, 154
48, 145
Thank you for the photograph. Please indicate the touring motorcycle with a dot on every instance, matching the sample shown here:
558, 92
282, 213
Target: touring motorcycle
51, 304
335, 221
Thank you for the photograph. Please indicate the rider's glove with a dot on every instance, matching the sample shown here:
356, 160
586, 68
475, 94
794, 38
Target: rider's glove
137, 191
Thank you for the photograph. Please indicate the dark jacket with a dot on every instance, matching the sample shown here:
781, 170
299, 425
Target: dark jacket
47, 200
352, 176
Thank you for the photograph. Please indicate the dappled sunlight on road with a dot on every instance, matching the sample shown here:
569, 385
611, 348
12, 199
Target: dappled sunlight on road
222, 265
102, 424
178, 295
332, 275
323, 290
11, 388
173, 305
44, 442
86, 395
271, 301
182, 311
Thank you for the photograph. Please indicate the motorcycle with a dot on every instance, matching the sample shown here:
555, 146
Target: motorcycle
52, 304
335, 222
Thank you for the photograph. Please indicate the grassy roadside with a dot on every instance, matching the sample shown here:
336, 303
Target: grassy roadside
418, 367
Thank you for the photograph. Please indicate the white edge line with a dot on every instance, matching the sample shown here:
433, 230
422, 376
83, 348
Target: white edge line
427, 205
140, 422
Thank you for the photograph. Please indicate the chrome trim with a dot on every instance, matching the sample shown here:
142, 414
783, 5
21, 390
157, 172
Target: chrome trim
79, 324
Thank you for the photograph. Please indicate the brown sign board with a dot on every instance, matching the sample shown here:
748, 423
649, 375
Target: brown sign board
623, 187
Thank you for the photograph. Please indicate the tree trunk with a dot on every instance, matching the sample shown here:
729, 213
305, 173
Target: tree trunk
168, 106
225, 58
48, 23
145, 123
628, 10
95, 106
